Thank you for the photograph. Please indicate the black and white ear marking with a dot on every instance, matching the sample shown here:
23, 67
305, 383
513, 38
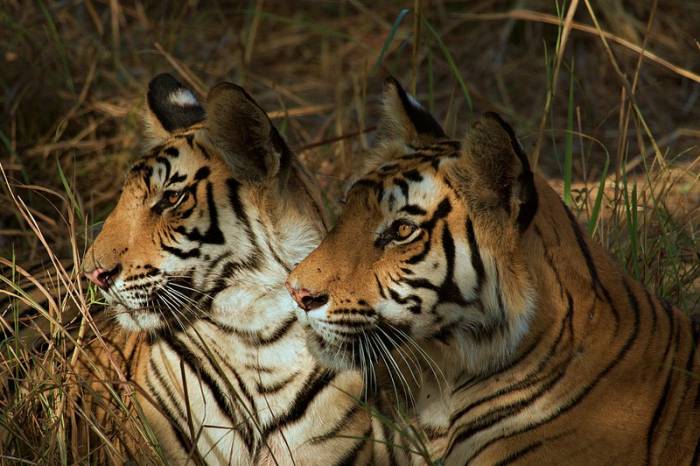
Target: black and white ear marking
171, 106
404, 117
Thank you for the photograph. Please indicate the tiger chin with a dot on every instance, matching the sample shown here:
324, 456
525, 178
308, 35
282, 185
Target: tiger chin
192, 262
515, 338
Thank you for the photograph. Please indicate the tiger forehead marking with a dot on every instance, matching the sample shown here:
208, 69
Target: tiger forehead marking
415, 176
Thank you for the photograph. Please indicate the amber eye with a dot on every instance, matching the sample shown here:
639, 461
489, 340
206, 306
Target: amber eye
399, 232
404, 230
171, 198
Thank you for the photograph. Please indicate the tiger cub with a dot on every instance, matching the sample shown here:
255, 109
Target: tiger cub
193, 261
535, 347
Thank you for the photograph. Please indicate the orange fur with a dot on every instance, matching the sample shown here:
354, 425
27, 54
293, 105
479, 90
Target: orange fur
532, 346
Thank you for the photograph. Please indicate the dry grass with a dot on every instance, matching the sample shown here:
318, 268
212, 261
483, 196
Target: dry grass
606, 94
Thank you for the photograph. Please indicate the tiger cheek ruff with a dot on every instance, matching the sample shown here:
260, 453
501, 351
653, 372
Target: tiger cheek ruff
460, 285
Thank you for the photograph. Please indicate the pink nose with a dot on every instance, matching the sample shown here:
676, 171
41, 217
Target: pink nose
101, 277
97, 277
307, 300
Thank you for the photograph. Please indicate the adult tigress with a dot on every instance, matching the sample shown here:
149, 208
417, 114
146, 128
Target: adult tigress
546, 351
193, 261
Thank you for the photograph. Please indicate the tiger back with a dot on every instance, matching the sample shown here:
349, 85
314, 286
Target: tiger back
453, 260
192, 262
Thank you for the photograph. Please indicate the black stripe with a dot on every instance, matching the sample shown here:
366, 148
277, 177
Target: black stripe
672, 328
241, 386
202, 173
258, 338
176, 178
194, 365
532, 378
213, 234
515, 456
515, 362
168, 392
449, 292
654, 312
338, 427
375, 186
413, 209
234, 196
403, 186
180, 253
351, 456
477, 263
657, 414
592, 270
147, 173
204, 151
443, 209
320, 380
574, 401
493, 417
275, 387
165, 162
416, 258
379, 285
413, 175
182, 438
276, 257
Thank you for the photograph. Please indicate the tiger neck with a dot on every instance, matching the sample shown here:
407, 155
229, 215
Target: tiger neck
567, 317
268, 227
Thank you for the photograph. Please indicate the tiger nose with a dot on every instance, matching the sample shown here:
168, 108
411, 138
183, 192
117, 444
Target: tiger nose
101, 277
305, 299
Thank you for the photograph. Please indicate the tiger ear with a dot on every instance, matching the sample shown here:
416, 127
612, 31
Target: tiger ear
237, 125
497, 171
404, 118
170, 106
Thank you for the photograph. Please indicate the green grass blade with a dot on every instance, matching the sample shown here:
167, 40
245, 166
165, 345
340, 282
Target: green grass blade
632, 227
431, 83
595, 213
69, 191
634, 233
569, 140
451, 62
390, 38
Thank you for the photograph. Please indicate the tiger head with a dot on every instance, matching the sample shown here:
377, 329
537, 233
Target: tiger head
217, 199
427, 249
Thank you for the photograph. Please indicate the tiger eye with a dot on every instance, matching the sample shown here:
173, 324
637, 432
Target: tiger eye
404, 230
173, 197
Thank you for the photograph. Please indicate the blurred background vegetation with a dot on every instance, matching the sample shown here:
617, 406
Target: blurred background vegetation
604, 94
